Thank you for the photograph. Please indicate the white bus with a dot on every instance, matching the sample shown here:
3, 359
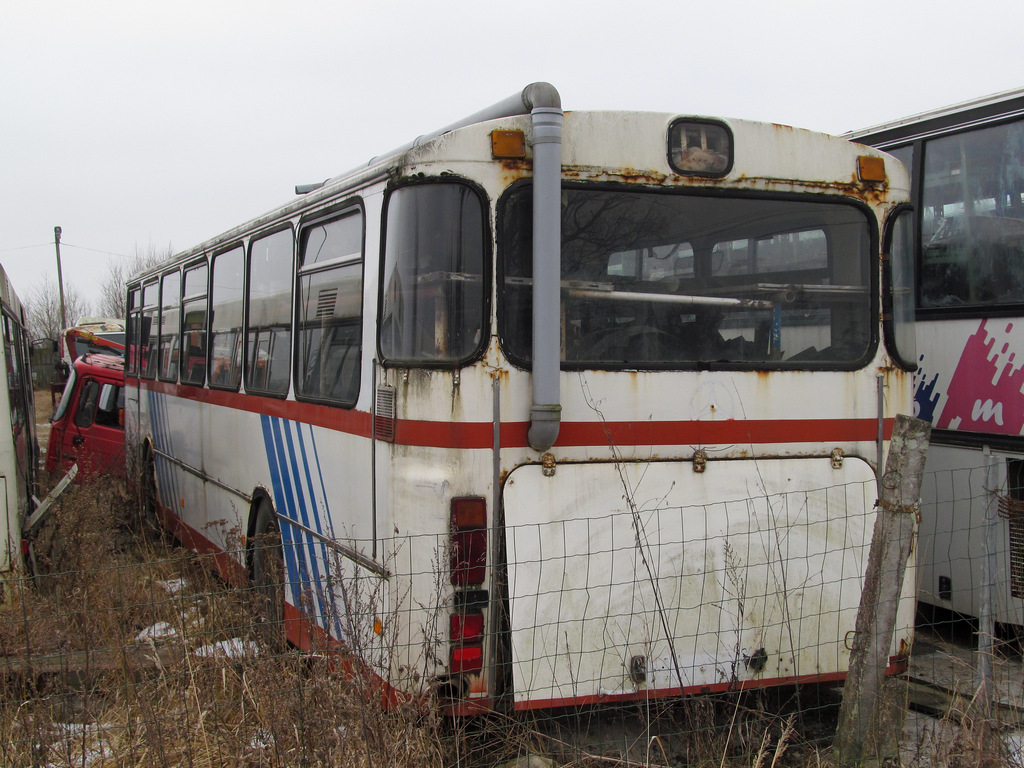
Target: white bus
967, 170
19, 452
544, 408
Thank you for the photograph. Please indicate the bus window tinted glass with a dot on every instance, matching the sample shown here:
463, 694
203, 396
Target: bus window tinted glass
193, 326
134, 329
655, 280
330, 310
900, 318
268, 342
170, 296
432, 302
226, 320
149, 332
972, 218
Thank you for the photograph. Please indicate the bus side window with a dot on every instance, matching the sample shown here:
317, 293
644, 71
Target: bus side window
193, 326
149, 330
329, 343
972, 205
268, 333
226, 319
170, 301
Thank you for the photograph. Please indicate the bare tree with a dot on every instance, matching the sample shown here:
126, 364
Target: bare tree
43, 304
113, 289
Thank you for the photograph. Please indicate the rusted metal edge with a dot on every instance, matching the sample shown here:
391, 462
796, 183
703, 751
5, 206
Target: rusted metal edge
45, 504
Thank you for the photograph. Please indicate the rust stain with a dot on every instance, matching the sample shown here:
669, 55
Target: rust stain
498, 374
514, 169
873, 193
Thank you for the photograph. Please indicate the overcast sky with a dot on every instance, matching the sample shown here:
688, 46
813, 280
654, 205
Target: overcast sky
139, 124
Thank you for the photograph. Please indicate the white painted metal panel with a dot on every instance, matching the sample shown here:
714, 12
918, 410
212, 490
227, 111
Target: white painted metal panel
694, 572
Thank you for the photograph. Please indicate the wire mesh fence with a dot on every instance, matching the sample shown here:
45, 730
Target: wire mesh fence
126, 649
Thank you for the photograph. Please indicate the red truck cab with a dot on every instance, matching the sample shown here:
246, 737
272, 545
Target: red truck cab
87, 427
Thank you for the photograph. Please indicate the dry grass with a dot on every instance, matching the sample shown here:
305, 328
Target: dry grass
129, 652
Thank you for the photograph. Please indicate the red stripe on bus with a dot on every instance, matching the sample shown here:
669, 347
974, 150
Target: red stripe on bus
346, 420
480, 434
896, 667
434, 434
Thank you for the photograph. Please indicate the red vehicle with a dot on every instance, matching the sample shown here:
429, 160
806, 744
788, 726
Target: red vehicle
87, 427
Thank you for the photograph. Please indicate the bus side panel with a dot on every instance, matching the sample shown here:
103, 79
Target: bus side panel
647, 579
11, 528
18, 450
970, 380
956, 505
318, 499
175, 427
971, 375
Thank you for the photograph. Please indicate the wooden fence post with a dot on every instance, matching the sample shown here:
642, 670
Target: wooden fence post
860, 715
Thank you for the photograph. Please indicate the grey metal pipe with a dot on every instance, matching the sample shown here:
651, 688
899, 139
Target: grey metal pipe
533, 96
542, 101
546, 410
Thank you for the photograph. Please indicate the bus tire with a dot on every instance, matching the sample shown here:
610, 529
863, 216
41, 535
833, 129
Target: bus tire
268, 576
148, 518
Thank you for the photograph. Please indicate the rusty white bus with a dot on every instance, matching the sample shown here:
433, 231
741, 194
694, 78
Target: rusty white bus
19, 452
967, 171
545, 408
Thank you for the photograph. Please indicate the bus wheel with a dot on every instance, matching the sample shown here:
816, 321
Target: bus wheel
268, 575
147, 498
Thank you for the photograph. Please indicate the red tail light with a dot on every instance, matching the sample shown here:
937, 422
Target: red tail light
469, 628
467, 633
467, 659
469, 541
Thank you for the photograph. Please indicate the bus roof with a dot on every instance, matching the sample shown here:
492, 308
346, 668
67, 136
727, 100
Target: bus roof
10, 298
767, 156
977, 111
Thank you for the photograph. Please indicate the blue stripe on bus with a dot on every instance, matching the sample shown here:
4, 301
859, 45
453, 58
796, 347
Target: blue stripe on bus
320, 475
287, 532
301, 501
332, 576
286, 503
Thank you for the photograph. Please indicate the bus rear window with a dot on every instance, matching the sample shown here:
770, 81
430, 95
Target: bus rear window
433, 299
662, 281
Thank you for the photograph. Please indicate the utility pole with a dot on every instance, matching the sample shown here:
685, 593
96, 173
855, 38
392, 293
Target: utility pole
60, 281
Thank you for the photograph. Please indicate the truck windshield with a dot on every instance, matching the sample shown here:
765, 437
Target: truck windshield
654, 280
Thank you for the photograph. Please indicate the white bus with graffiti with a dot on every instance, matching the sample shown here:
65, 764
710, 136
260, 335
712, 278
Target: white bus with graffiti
545, 408
19, 452
967, 164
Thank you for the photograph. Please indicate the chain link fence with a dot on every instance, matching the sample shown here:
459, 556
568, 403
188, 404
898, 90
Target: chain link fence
128, 650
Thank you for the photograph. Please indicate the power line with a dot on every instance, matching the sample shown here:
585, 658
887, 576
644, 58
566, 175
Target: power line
95, 250
25, 247
66, 245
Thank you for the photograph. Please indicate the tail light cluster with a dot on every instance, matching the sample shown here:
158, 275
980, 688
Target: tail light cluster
468, 566
467, 635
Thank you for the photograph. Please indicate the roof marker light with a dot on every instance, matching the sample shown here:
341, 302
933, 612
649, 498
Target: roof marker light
871, 169
508, 145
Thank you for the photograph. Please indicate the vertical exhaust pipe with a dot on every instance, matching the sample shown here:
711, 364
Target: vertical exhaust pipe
542, 102
546, 409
